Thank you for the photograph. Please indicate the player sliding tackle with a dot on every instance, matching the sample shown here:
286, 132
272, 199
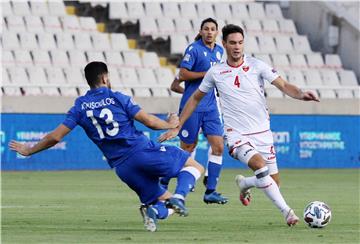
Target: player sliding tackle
108, 120
240, 83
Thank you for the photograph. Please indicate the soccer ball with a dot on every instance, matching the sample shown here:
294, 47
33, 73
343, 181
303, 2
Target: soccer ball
317, 214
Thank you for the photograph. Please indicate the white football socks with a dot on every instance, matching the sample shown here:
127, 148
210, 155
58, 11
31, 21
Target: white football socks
248, 182
271, 189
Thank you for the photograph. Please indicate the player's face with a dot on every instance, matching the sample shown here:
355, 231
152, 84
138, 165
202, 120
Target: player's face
208, 33
234, 45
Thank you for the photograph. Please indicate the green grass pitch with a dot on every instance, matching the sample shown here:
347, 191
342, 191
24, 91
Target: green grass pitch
95, 207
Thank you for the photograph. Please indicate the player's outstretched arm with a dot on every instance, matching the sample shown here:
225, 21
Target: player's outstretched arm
156, 123
189, 108
294, 91
48, 141
188, 75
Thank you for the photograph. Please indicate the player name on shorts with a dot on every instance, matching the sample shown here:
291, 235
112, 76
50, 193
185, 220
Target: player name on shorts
98, 104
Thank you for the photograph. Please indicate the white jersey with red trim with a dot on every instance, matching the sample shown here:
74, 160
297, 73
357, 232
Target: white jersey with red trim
241, 91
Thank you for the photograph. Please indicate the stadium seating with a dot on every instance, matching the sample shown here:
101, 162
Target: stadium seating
114, 58
222, 10
46, 41
21, 8
59, 58
333, 61
118, 10
273, 92
348, 78
280, 61
153, 9
118, 41
50, 46
264, 57
171, 9
39, 8
52, 24
6, 8
150, 60
7, 59
296, 77
33, 24
273, 11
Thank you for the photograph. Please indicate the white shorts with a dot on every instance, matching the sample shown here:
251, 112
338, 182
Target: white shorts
251, 144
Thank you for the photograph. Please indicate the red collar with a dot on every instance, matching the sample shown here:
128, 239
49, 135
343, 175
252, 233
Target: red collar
235, 66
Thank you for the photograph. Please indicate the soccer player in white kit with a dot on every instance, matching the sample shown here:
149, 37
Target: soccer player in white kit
240, 83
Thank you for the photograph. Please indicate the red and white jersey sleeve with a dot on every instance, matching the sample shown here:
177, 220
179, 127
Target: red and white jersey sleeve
241, 91
208, 83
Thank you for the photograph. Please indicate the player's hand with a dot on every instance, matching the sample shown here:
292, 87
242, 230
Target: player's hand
310, 96
21, 148
173, 120
169, 134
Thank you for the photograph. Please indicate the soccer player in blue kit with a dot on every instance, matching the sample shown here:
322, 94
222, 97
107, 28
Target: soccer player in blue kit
198, 58
107, 118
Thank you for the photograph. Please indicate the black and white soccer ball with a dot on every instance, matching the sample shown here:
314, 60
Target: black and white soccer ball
317, 214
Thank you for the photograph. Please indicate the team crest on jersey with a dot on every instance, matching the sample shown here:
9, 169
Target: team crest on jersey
218, 55
205, 54
273, 70
162, 149
246, 68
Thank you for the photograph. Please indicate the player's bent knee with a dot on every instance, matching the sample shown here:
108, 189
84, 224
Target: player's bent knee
217, 145
217, 150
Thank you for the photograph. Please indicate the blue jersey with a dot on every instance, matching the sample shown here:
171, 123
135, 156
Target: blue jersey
199, 58
108, 120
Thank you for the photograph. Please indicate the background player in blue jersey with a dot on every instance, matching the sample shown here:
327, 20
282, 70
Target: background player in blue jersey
107, 118
198, 58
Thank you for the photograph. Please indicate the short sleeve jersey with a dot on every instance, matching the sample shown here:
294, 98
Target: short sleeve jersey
199, 58
108, 120
241, 91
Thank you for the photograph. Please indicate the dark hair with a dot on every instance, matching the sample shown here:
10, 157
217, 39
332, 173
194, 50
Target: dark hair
211, 20
93, 72
229, 29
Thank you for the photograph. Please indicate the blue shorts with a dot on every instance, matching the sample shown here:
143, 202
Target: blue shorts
209, 122
141, 171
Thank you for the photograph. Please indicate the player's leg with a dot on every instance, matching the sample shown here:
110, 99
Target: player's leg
206, 174
170, 161
186, 180
188, 141
214, 170
141, 172
263, 180
265, 146
212, 129
148, 190
263, 143
152, 212
244, 183
164, 181
276, 178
